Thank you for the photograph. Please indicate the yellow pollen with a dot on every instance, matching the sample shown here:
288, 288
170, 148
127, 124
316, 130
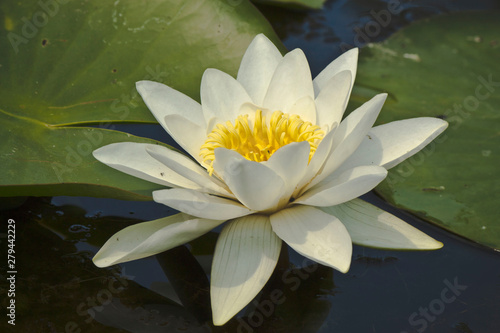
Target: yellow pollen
260, 142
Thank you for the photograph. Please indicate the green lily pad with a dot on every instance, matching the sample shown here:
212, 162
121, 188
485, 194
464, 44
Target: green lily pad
444, 67
66, 64
294, 4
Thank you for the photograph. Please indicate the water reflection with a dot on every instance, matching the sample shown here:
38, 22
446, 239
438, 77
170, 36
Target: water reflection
62, 287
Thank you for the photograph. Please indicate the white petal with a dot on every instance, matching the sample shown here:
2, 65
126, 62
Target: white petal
305, 108
349, 135
164, 101
349, 185
290, 163
181, 116
347, 61
314, 234
257, 67
291, 81
389, 144
224, 165
132, 158
221, 96
187, 134
254, 184
332, 100
245, 257
189, 169
371, 226
317, 161
200, 204
149, 238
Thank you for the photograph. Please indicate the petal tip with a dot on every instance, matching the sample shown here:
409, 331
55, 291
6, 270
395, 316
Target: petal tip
261, 37
345, 269
143, 86
430, 244
297, 53
219, 319
437, 245
155, 195
96, 153
353, 52
101, 262
382, 95
103, 153
211, 71
444, 124
140, 83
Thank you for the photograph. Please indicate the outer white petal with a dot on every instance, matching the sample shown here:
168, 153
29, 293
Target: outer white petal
189, 169
245, 257
291, 81
178, 114
149, 238
290, 162
349, 185
132, 158
332, 100
349, 135
389, 144
221, 96
314, 234
371, 226
347, 61
164, 101
200, 204
254, 184
257, 67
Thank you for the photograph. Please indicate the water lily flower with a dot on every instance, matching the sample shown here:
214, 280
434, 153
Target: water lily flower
271, 158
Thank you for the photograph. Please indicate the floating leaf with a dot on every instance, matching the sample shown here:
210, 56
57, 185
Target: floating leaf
65, 64
444, 67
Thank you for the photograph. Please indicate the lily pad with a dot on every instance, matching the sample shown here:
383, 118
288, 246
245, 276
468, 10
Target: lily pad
444, 67
67, 64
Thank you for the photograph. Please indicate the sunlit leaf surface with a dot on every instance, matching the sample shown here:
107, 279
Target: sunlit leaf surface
76, 63
444, 68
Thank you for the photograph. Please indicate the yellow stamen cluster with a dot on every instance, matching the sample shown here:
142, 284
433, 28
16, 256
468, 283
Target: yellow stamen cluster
259, 143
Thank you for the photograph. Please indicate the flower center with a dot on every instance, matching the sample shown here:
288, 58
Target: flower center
259, 143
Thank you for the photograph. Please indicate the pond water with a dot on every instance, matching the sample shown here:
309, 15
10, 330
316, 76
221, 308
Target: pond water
58, 289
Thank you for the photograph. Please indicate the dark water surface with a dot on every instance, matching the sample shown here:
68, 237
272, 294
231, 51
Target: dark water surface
58, 289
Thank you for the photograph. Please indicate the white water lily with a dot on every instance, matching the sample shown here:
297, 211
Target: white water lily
273, 159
